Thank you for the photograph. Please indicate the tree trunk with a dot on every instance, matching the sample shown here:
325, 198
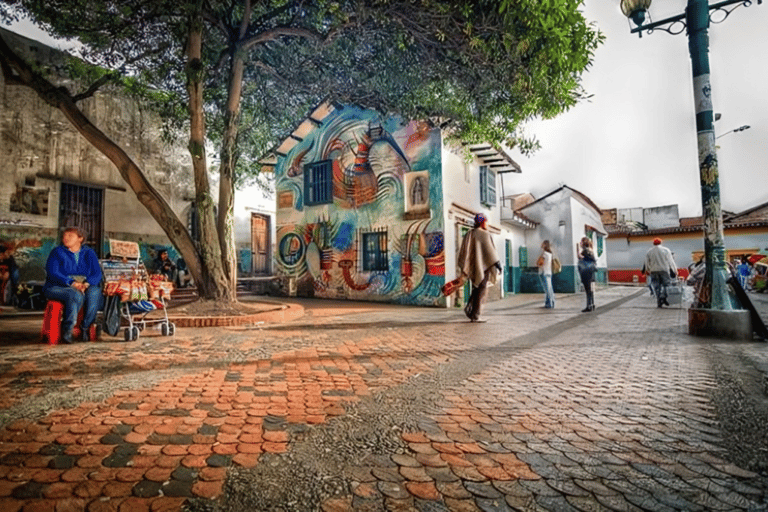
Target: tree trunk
215, 284
227, 169
153, 201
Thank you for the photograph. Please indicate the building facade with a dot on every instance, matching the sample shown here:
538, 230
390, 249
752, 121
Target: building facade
374, 208
564, 217
54, 178
746, 233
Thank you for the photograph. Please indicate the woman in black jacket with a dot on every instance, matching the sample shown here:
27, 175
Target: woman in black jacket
587, 268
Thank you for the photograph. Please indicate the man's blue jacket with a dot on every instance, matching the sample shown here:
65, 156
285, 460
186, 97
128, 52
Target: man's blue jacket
61, 266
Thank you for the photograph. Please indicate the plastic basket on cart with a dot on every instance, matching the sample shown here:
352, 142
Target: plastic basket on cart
140, 294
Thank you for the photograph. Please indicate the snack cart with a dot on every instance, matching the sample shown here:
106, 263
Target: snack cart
140, 294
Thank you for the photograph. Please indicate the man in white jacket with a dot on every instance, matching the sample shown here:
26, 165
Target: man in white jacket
661, 268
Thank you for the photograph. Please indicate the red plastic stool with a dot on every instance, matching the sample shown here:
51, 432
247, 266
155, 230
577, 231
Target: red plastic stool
51, 331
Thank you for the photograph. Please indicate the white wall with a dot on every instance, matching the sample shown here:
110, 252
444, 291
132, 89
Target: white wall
461, 187
461, 200
553, 214
581, 215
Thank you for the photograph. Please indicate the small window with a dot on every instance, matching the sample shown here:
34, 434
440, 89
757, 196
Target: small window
599, 245
487, 186
375, 251
318, 183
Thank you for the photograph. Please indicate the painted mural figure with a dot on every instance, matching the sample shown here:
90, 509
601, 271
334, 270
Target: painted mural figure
417, 192
73, 277
660, 265
480, 263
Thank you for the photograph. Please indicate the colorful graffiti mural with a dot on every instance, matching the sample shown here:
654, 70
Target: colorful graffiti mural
359, 217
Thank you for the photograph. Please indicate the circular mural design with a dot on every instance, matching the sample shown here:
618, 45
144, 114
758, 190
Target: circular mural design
291, 249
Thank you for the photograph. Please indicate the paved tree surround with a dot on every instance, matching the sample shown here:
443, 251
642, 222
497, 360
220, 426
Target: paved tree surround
404, 409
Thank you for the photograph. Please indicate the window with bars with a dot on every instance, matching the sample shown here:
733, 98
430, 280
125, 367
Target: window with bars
487, 186
318, 183
83, 207
375, 251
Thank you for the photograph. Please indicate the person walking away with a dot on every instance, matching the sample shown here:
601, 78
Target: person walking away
661, 266
545, 274
743, 270
479, 262
73, 277
587, 269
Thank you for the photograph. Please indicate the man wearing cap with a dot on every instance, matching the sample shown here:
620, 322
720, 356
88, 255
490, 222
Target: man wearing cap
479, 262
660, 267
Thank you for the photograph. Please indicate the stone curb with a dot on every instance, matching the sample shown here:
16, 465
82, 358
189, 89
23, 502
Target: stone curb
282, 313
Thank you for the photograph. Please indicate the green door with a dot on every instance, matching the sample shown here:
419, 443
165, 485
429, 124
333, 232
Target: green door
510, 277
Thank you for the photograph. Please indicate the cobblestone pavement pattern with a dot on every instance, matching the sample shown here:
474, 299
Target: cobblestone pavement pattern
391, 409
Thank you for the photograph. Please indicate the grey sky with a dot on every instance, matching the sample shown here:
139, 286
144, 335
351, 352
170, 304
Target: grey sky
634, 143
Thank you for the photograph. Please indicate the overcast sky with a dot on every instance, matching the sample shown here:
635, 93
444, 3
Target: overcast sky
634, 143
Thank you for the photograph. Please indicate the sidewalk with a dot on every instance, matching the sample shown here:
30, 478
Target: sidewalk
360, 406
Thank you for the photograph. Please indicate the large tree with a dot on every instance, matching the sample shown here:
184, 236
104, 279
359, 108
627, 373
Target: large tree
483, 68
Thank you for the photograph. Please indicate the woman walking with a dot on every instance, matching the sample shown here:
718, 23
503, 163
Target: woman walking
545, 274
587, 268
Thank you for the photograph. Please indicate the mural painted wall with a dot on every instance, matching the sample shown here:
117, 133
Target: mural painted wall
359, 210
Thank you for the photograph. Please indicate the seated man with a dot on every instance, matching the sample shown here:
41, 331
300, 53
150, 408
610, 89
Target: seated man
164, 265
73, 277
9, 275
184, 277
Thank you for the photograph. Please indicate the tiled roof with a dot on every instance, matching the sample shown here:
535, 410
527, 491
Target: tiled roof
619, 229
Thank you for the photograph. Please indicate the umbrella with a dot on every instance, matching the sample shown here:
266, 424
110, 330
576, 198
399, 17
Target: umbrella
755, 258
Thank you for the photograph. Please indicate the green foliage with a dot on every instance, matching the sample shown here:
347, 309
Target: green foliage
481, 68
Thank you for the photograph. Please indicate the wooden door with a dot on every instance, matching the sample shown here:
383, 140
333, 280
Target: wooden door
260, 243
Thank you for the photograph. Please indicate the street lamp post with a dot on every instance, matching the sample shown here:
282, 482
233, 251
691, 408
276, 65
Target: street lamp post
716, 310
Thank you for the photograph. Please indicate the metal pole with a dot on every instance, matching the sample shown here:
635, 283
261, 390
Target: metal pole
714, 291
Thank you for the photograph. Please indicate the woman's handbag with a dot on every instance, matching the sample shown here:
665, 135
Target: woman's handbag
587, 266
556, 266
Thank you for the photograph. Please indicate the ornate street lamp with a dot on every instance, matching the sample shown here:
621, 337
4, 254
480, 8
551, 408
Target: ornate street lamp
635, 10
716, 310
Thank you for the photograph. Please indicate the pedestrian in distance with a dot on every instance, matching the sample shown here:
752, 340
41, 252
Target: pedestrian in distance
661, 267
587, 269
73, 277
545, 263
479, 262
744, 271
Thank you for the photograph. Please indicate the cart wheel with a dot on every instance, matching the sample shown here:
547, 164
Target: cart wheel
128, 334
164, 329
135, 333
171, 328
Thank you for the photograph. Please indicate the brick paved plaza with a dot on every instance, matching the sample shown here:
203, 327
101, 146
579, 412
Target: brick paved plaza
379, 407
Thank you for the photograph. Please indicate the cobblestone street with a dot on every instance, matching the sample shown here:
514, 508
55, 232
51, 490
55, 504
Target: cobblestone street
378, 407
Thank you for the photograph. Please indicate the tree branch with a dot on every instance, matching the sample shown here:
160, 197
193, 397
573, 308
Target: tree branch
272, 34
95, 86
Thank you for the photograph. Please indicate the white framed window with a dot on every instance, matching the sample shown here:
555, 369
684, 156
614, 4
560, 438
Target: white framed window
487, 186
